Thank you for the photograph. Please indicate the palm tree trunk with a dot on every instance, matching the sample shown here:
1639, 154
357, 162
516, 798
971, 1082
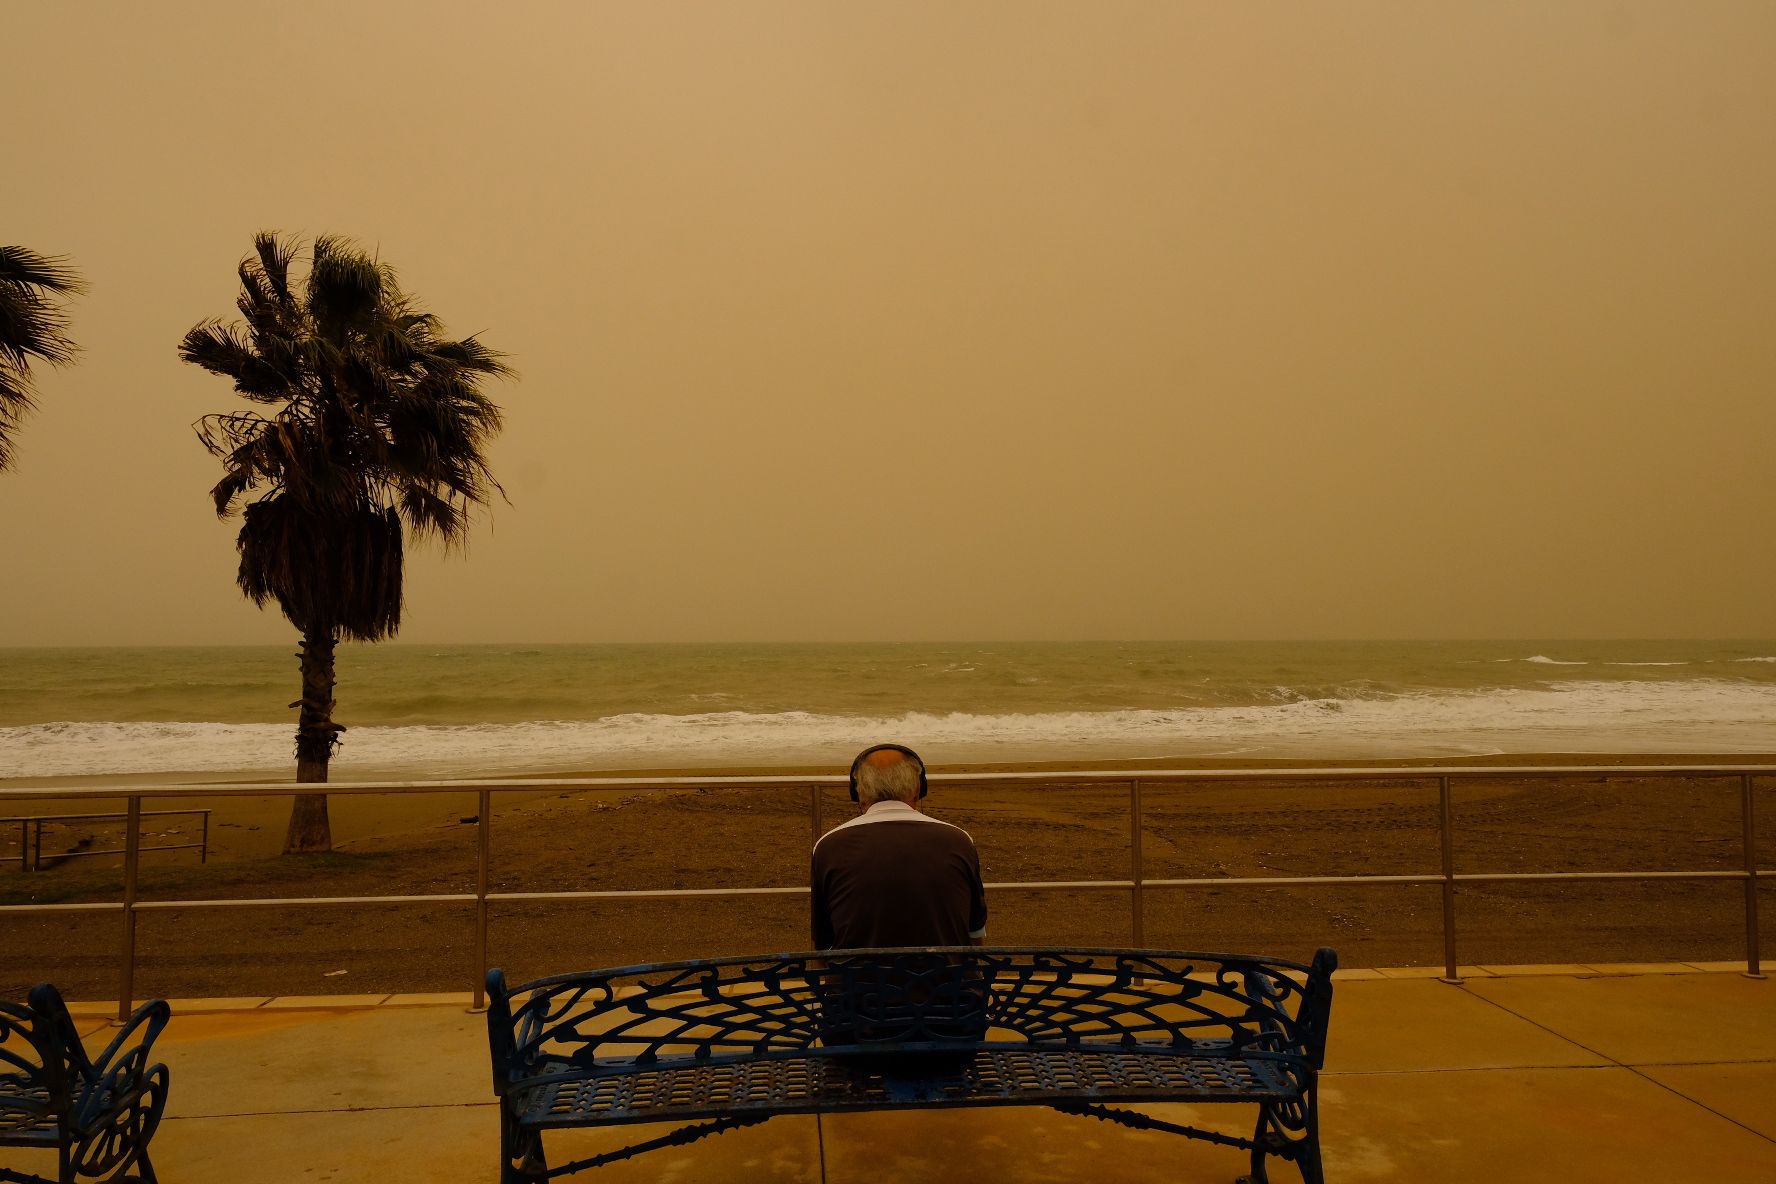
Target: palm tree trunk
316, 734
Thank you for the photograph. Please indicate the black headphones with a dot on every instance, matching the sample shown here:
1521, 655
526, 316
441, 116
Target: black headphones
924, 787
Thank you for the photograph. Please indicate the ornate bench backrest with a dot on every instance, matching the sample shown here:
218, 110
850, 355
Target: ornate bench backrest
103, 1110
891, 1000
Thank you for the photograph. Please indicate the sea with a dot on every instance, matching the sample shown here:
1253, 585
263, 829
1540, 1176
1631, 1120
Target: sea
424, 711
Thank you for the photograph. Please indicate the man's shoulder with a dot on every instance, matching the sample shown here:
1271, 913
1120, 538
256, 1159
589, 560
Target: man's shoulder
862, 830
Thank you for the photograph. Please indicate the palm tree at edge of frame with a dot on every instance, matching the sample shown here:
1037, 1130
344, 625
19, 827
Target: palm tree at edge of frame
368, 423
33, 325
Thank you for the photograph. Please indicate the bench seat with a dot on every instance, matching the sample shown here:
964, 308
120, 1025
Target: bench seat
566, 1097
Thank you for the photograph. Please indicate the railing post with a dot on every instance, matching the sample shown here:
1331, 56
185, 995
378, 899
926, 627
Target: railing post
1446, 835
132, 851
483, 855
203, 852
1137, 896
814, 819
24, 845
1748, 812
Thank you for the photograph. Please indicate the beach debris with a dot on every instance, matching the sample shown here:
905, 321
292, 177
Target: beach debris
467, 819
334, 973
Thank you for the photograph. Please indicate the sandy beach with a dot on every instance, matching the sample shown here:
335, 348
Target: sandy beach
702, 838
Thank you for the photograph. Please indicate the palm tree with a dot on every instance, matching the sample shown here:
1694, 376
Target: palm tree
32, 325
370, 423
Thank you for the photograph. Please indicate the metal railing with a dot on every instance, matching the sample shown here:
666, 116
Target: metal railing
30, 856
1137, 885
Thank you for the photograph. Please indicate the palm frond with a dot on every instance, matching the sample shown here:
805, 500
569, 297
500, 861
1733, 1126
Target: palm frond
432, 516
470, 354
24, 267
346, 287
260, 374
224, 432
274, 261
33, 327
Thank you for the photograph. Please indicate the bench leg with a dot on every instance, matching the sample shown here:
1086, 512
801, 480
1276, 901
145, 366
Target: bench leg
1288, 1131
521, 1153
141, 1172
1258, 1174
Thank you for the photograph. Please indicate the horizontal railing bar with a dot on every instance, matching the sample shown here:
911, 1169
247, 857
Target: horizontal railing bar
261, 902
1025, 886
9, 819
88, 854
645, 893
1053, 885
1291, 881
587, 894
1002, 886
1460, 877
1508, 877
959, 780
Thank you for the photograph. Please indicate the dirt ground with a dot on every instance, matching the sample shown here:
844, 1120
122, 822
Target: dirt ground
705, 838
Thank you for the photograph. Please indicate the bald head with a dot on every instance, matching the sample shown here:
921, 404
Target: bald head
886, 758
888, 775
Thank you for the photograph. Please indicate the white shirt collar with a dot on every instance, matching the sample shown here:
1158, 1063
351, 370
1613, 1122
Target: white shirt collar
889, 810
891, 806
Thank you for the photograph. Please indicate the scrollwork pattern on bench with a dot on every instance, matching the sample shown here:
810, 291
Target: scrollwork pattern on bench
786, 1003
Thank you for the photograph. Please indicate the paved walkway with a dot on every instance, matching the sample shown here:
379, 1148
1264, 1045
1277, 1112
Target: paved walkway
1518, 1075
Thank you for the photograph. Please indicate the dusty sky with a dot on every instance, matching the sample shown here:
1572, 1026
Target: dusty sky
935, 321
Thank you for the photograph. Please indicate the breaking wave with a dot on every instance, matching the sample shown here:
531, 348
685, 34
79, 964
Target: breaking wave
1578, 716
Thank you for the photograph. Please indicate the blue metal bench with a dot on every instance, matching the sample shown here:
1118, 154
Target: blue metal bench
729, 1042
96, 1115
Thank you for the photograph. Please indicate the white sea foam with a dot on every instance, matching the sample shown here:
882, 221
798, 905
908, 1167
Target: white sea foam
1575, 716
1545, 660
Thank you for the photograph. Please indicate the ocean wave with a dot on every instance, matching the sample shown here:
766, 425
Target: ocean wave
1572, 716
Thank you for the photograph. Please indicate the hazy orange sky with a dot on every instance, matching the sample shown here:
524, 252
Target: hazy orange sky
947, 321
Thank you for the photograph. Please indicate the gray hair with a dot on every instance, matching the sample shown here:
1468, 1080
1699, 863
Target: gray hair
897, 780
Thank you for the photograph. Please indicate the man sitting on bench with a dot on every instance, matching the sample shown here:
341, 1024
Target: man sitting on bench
894, 875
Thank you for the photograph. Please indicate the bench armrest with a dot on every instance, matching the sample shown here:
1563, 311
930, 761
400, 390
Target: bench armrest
502, 1043
1316, 1006
65, 1067
146, 1022
118, 1078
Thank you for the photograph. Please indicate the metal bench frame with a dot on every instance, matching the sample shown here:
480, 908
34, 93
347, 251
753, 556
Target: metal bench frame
728, 1042
96, 1115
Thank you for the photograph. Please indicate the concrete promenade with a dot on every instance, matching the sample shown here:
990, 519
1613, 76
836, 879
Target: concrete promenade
1559, 1073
